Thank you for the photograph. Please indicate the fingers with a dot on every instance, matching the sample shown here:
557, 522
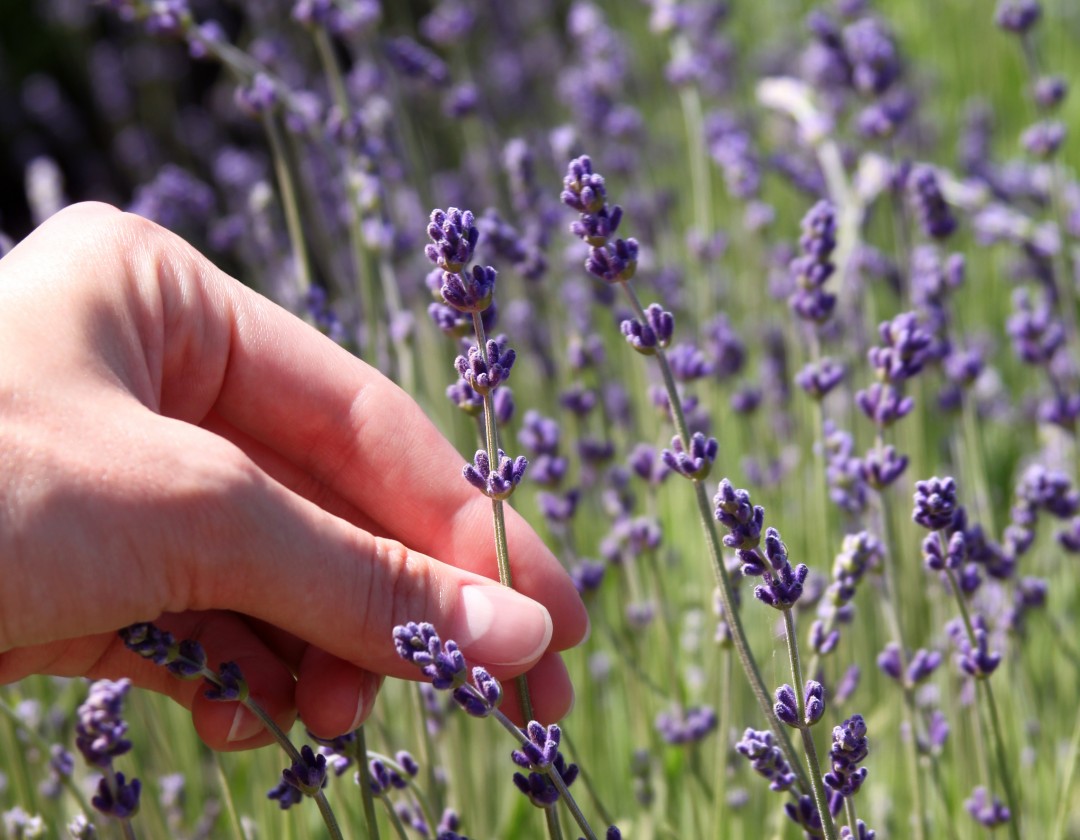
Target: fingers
332, 695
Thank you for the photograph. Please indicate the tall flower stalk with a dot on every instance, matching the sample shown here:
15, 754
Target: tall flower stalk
614, 260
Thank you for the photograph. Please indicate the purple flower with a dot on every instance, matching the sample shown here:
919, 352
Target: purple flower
443, 664
766, 758
881, 467
817, 379
693, 462
486, 371
686, 726
935, 502
849, 747
285, 794
500, 482
935, 218
786, 706
977, 660
654, 332
454, 235
615, 262
1050, 91
100, 729
1036, 334
782, 584
811, 270
117, 797
229, 685
870, 49
539, 752
1043, 139
1017, 16
884, 404
583, 190
905, 351
742, 519
415, 61
987, 811
307, 773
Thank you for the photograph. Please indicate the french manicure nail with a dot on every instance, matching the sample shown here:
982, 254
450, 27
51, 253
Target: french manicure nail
499, 626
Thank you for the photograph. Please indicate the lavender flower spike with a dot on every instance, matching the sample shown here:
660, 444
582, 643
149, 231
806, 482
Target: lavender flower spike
935, 502
420, 644
484, 375
498, 483
308, 774
695, 462
453, 235
655, 332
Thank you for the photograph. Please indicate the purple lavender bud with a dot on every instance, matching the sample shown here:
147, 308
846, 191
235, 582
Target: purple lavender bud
415, 61
881, 467
817, 379
498, 483
578, 400
540, 789
465, 397
688, 363
1050, 91
454, 235
861, 832
905, 351
1049, 490
559, 508
307, 773
285, 794
1069, 538
1017, 16
766, 758
688, 726
869, 47
847, 685
230, 685
119, 799
150, 642
922, 665
1043, 139
821, 641
746, 399
469, 291
935, 218
783, 585
539, 434
615, 262
539, 749
420, 644
696, 461
258, 98
935, 502
595, 229
588, 575
645, 463
727, 350
884, 404
100, 729
486, 371
987, 811
655, 332
786, 706
742, 519
190, 662
1060, 409
1036, 334
849, 747
814, 702
582, 189
978, 660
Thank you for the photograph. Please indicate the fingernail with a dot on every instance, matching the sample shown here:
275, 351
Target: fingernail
245, 725
498, 626
362, 704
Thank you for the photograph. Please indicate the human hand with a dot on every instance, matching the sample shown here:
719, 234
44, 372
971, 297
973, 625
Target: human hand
176, 448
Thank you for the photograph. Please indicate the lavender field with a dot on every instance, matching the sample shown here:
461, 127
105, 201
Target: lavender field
763, 314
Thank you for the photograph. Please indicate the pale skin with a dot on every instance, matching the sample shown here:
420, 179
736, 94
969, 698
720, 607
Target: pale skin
176, 448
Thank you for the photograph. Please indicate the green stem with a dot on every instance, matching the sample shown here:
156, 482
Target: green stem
289, 204
551, 817
821, 800
366, 795
1065, 801
502, 551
